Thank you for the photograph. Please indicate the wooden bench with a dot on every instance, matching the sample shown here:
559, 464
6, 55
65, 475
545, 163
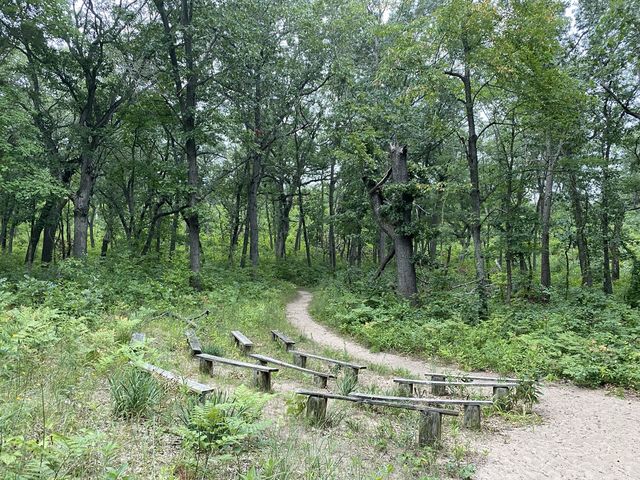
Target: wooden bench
439, 389
262, 374
300, 359
286, 341
500, 389
193, 341
471, 417
242, 342
201, 389
319, 378
429, 428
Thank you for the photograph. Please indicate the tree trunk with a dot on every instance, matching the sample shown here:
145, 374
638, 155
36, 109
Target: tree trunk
174, 234
581, 238
407, 284
105, 243
92, 219
547, 194
82, 202
474, 195
252, 209
303, 226
607, 283
332, 212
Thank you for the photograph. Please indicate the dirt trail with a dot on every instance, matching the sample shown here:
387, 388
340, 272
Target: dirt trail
585, 434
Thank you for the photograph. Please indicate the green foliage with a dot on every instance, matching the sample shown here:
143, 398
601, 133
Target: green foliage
85, 454
134, 393
224, 422
590, 339
213, 349
346, 382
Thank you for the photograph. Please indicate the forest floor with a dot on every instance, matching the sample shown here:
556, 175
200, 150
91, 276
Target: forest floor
584, 434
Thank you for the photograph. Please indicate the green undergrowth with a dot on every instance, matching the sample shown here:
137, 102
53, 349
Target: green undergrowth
71, 406
590, 339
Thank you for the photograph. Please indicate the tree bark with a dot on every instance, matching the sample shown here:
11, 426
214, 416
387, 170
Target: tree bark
581, 238
407, 284
332, 212
545, 226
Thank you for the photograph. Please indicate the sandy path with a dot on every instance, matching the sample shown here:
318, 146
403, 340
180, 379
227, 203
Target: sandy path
585, 434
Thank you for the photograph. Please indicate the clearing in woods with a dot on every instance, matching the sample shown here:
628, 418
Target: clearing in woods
585, 434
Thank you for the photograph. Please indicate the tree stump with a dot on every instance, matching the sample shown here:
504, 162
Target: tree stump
439, 390
263, 381
430, 428
316, 409
471, 416
300, 360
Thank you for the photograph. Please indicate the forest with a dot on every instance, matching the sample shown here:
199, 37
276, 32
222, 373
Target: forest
453, 181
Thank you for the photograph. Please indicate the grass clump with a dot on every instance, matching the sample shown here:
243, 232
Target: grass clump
213, 349
134, 393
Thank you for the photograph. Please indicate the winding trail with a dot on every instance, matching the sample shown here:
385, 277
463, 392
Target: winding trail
585, 434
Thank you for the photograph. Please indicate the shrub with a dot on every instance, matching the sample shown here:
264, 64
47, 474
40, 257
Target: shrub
224, 422
134, 393
212, 349
346, 382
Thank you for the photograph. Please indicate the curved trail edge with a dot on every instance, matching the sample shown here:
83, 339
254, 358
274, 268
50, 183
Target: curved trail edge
585, 434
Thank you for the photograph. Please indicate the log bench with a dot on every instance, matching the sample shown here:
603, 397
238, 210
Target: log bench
282, 338
300, 359
429, 428
262, 373
500, 389
471, 417
319, 378
200, 388
193, 341
241, 341
439, 389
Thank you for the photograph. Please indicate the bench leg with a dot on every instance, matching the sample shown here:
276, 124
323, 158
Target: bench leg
430, 428
355, 372
439, 390
320, 381
471, 417
316, 409
499, 392
206, 366
246, 349
406, 389
300, 360
263, 381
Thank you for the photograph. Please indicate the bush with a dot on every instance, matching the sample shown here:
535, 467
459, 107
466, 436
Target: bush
134, 393
590, 339
224, 422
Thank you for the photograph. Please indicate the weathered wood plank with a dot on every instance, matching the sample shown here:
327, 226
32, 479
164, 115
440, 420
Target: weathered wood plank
192, 385
235, 363
286, 341
409, 381
443, 401
275, 361
471, 378
242, 341
137, 337
380, 403
194, 342
327, 360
